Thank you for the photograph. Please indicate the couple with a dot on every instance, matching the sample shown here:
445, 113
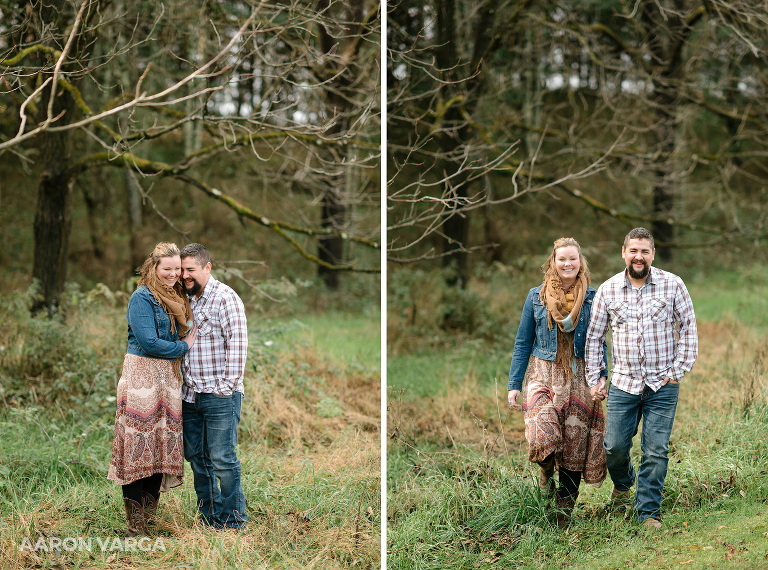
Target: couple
182, 323
562, 331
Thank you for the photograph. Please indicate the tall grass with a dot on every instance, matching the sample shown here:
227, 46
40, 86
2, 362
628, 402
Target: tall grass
308, 444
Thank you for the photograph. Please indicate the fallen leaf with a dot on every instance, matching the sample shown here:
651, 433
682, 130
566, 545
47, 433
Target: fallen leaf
742, 493
693, 547
708, 548
722, 526
686, 562
685, 524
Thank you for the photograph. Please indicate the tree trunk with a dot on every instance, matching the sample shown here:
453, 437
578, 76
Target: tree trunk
533, 89
92, 207
331, 248
663, 185
456, 239
133, 207
333, 213
53, 215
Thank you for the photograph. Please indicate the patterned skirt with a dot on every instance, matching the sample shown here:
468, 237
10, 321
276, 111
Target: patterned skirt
561, 418
148, 425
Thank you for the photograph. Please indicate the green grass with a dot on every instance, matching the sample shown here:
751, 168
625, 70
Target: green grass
738, 296
351, 338
432, 373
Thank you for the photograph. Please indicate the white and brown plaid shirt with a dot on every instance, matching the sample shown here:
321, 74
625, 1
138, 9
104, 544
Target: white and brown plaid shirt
216, 362
653, 331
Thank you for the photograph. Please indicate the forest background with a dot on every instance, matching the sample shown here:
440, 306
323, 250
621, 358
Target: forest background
251, 127
512, 123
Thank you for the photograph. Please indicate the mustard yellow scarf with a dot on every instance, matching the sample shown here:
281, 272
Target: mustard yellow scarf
563, 307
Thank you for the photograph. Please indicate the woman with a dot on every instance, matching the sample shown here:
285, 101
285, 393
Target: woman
148, 450
564, 426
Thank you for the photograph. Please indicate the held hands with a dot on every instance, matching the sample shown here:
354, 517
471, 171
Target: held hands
191, 336
598, 391
512, 397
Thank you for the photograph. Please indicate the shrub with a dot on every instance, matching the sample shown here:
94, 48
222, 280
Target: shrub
50, 360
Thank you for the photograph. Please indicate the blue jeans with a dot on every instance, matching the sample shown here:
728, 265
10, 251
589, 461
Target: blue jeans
210, 437
623, 418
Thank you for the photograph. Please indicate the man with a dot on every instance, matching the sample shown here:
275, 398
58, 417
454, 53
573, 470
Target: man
654, 343
212, 393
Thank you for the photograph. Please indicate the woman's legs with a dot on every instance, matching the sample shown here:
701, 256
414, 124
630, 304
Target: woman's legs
136, 489
151, 493
134, 509
567, 495
546, 481
140, 499
569, 483
152, 485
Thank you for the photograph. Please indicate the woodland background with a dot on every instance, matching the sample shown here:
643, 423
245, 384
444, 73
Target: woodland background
512, 123
252, 127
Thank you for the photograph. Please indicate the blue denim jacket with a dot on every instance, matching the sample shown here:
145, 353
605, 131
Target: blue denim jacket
149, 328
535, 337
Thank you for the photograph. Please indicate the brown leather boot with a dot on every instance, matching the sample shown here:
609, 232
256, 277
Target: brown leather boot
564, 510
546, 481
134, 516
150, 506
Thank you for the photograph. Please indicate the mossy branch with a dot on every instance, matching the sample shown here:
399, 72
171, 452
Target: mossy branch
281, 227
19, 57
630, 218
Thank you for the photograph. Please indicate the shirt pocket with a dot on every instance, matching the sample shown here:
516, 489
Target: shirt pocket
618, 312
204, 324
659, 309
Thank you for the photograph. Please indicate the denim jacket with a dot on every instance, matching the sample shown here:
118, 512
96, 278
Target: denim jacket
149, 328
535, 337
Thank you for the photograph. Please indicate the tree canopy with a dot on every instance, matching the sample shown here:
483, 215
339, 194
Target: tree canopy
222, 97
648, 113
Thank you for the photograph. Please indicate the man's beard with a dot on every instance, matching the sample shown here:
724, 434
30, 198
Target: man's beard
642, 274
194, 290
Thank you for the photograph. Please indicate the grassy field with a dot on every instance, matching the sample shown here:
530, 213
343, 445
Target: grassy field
462, 494
309, 447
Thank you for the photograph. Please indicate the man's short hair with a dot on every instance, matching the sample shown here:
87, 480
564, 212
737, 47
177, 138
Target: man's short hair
637, 233
197, 251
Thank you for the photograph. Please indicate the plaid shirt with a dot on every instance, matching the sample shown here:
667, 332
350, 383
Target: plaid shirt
653, 331
216, 362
